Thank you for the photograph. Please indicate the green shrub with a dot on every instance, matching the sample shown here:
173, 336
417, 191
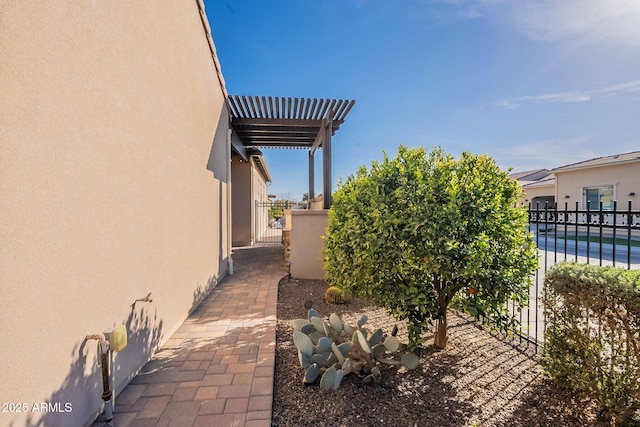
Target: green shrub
592, 339
414, 233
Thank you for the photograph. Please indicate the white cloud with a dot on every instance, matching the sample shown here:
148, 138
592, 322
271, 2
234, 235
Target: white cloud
610, 20
573, 96
616, 21
547, 153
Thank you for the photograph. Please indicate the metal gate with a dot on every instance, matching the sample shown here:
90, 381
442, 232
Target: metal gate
270, 219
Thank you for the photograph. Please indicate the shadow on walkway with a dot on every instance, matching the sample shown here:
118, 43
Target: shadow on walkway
217, 368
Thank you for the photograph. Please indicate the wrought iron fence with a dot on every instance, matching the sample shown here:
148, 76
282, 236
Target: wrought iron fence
270, 219
594, 235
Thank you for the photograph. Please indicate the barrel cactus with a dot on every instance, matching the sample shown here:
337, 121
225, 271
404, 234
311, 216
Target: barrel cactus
334, 295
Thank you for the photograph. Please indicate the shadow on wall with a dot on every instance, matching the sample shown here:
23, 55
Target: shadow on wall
218, 155
145, 333
219, 165
85, 375
201, 292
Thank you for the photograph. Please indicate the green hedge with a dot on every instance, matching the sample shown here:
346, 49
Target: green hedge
592, 339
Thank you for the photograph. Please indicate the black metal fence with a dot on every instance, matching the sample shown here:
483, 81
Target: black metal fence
594, 235
270, 219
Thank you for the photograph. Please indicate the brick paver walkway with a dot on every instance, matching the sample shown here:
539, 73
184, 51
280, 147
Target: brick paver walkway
217, 369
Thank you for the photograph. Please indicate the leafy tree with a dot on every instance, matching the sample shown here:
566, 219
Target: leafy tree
288, 196
424, 230
305, 196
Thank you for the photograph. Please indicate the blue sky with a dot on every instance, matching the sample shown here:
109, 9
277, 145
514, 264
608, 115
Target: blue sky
532, 83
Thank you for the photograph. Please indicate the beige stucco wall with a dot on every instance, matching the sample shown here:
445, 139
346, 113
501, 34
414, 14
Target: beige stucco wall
113, 184
530, 193
241, 176
260, 222
307, 229
624, 177
316, 203
249, 187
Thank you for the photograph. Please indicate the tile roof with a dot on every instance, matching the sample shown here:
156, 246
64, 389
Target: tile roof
530, 175
548, 181
633, 156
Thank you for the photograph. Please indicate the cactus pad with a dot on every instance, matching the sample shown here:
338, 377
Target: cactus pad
304, 359
307, 329
303, 343
312, 313
312, 373
378, 351
410, 361
324, 345
318, 323
392, 343
375, 337
336, 322
362, 341
328, 380
298, 324
320, 359
363, 320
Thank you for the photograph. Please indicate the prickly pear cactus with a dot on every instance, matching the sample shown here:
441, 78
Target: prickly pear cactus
330, 349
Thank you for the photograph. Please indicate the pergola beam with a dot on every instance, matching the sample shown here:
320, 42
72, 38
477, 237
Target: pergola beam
284, 122
288, 123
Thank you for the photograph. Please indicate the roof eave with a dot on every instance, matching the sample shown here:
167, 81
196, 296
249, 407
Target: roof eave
601, 165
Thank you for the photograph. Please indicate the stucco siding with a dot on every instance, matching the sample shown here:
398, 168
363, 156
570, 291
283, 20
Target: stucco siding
533, 193
241, 176
307, 243
625, 178
113, 184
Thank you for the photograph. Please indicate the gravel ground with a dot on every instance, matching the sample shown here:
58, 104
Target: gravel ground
479, 380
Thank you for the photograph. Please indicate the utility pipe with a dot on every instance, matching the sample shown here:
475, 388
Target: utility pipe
228, 194
103, 347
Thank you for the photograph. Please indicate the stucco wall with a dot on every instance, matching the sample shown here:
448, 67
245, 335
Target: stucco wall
241, 176
624, 177
307, 229
530, 193
249, 187
316, 203
113, 184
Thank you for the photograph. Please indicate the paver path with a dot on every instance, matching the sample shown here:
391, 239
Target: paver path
217, 369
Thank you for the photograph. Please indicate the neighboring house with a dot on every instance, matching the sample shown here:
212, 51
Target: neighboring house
538, 186
115, 169
250, 175
603, 179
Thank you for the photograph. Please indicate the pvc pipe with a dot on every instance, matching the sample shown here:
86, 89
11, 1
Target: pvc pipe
106, 393
228, 194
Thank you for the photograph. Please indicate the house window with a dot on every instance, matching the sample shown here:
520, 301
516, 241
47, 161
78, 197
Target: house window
594, 195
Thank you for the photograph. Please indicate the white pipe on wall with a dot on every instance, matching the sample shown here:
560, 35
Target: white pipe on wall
228, 194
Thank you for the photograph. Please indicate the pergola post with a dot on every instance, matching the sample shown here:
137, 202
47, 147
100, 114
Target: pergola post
311, 175
326, 160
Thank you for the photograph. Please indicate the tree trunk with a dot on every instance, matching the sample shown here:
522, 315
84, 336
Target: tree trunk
441, 337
